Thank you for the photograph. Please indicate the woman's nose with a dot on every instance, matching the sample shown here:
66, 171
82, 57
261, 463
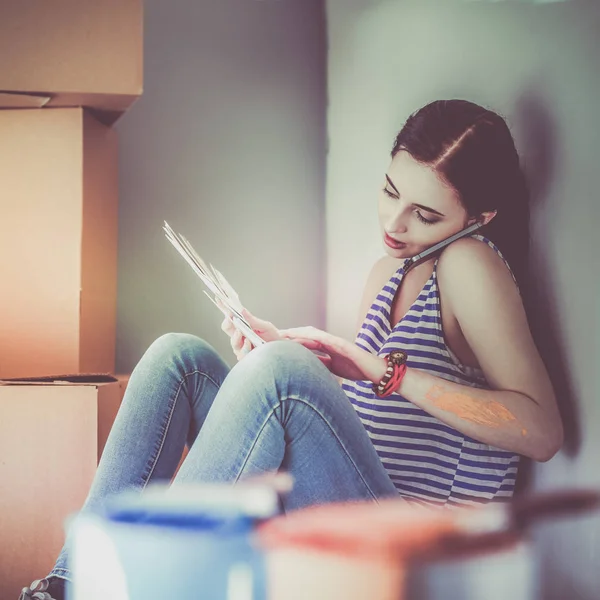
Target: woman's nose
397, 222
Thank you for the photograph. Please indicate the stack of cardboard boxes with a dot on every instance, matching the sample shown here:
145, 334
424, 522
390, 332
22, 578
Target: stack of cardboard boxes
68, 70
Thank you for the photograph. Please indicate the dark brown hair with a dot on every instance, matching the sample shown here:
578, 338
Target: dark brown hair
472, 149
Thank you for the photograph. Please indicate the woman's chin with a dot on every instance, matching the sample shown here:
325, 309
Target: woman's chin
399, 253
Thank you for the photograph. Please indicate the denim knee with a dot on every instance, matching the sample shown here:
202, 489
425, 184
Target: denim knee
184, 351
283, 360
173, 343
272, 377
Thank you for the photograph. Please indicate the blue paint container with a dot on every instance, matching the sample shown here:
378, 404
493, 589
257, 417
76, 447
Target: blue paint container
193, 542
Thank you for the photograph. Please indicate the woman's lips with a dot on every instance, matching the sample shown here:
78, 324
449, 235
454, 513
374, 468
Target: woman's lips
392, 243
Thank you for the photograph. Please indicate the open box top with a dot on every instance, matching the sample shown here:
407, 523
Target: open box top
69, 379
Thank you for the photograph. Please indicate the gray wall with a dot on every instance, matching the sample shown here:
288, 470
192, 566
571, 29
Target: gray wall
538, 66
228, 145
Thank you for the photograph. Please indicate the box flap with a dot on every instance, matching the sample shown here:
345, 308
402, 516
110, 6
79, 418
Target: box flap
13, 100
83, 378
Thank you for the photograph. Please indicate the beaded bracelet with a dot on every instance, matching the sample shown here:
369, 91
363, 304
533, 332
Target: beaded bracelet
396, 369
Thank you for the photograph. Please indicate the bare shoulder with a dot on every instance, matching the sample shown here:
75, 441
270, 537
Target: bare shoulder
468, 265
468, 250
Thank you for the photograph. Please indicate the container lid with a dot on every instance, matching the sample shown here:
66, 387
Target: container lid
197, 506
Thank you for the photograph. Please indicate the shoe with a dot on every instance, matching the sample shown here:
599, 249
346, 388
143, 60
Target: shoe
52, 588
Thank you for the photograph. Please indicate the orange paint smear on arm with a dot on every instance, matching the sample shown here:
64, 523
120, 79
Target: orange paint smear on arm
482, 412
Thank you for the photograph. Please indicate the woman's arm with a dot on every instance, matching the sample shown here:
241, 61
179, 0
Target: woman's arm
510, 420
520, 412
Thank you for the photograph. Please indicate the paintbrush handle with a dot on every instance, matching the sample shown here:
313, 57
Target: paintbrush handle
493, 527
526, 511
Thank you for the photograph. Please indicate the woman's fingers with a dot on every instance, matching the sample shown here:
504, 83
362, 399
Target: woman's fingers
228, 327
264, 329
307, 335
307, 343
242, 348
239, 343
237, 340
246, 346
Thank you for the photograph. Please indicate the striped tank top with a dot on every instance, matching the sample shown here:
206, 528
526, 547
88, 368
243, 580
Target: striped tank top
428, 461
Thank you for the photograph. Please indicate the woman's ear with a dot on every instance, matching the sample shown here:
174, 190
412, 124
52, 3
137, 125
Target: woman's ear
484, 217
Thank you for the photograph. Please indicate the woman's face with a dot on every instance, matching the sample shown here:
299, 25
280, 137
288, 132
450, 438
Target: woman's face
416, 208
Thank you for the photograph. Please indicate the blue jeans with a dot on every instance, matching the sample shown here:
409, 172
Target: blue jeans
278, 408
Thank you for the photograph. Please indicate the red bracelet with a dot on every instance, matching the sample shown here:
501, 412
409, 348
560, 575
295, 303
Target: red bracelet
394, 374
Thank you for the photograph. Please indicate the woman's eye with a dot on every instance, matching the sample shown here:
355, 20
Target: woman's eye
423, 219
388, 193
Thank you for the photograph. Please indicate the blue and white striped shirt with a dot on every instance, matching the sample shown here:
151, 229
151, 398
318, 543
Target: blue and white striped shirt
428, 461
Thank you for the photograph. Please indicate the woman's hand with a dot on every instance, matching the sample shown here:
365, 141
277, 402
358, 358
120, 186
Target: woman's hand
343, 358
239, 343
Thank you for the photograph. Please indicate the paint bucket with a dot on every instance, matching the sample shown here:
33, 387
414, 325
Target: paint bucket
395, 551
193, 542
491, 567
500, 567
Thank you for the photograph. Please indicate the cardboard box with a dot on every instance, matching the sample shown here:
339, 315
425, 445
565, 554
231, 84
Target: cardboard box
52, 434
74, 52
58, 247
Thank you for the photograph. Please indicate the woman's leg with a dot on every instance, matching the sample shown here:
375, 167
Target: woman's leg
166, 402
280, 408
